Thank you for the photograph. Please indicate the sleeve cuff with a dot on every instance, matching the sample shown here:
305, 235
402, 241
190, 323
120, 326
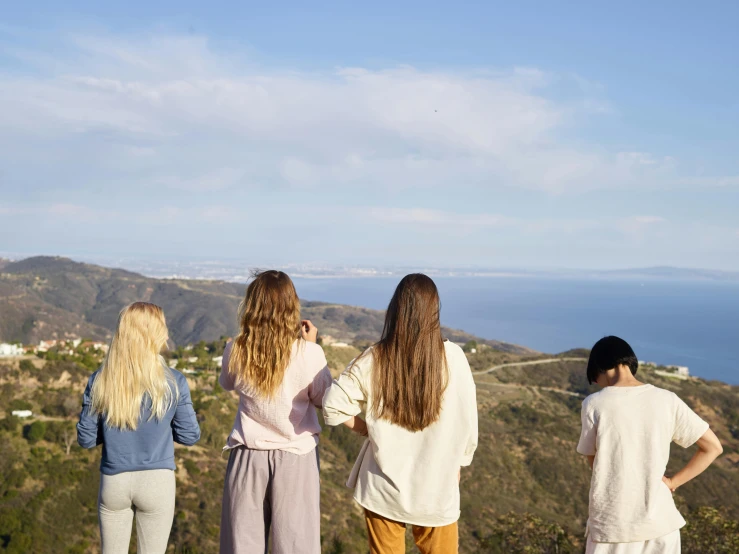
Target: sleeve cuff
335, 418
466, 460
705, 427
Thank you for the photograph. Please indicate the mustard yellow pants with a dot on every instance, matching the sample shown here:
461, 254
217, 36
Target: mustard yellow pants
388, 537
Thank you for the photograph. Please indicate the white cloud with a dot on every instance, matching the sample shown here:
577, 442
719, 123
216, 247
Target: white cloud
429, 218
180, 108
218, 179
421, 216
708, 181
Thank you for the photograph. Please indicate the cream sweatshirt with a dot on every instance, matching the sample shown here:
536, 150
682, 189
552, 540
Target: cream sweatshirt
411, 477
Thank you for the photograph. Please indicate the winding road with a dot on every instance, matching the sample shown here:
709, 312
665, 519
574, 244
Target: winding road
532, 362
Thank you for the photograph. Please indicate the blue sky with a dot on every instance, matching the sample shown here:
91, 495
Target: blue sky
517, 134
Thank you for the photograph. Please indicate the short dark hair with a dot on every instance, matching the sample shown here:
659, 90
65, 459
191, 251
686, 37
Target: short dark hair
608, 353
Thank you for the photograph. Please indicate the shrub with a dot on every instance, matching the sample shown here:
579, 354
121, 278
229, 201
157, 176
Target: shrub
20, 404
191, 467
710, 531
26, 365
36, 431
470, 345
525, 533
9, 423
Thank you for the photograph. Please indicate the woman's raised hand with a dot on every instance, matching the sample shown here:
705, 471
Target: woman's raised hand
308, 331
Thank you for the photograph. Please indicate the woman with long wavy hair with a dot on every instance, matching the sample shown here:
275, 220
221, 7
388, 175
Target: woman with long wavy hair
272, 491
418, 396
137, 408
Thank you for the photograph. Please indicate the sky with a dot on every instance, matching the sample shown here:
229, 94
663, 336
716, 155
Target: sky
491, 134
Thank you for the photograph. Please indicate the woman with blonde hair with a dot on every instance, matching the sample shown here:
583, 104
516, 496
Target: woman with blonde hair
418, 396
137, 408
272, 491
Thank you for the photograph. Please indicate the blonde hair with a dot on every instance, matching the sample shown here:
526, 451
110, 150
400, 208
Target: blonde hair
134, 369
269, 317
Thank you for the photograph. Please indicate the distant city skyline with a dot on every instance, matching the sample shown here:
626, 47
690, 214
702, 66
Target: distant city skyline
413, 134
240, 271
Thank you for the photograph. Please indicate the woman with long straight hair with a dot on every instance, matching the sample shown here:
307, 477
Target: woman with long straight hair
137, 408
418, 396
272, 491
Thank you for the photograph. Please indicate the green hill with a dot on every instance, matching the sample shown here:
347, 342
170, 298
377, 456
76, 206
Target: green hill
527, 488
50, 297
526, 491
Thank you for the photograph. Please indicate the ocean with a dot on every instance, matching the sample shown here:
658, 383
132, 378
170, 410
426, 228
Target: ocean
671, 322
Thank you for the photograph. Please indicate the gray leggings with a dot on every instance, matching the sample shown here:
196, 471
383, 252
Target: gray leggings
148, 494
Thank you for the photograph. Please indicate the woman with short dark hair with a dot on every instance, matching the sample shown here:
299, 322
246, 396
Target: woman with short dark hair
627, 428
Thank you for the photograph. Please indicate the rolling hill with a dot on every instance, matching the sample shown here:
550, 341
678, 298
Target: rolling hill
51, 297
526, 491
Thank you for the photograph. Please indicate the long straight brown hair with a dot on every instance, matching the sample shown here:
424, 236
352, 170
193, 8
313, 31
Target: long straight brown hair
269, 317
409, 373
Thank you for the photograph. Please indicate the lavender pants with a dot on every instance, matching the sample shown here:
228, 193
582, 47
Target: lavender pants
271, 493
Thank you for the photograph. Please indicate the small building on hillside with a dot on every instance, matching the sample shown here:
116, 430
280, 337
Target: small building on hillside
11, 350
682, 370
218, 359
45, 345
94, 345
23, 414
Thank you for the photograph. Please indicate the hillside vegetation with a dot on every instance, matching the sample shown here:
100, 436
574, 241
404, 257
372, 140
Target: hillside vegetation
50, 297
525, 492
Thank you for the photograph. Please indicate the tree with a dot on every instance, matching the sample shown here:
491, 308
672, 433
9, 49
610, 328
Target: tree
470, 345
36, 431
69, 437
63, 433
26, 365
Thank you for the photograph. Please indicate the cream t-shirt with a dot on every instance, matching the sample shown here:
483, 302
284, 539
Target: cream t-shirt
629, 431
402, 475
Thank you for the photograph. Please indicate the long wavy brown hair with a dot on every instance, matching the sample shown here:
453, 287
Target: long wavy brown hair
269, 317
409, 373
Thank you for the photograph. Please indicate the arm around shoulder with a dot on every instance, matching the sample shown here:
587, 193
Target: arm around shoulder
345, 398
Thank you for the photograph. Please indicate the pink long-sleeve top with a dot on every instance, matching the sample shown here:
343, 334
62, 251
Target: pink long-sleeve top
288, 421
